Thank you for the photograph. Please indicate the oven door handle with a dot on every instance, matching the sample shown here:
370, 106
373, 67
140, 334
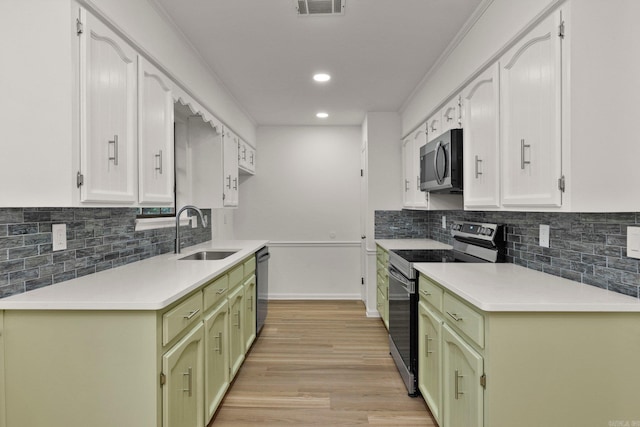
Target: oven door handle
399, 277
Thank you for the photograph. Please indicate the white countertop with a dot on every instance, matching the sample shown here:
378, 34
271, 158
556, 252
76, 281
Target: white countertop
390, 244
151, 284
510, 287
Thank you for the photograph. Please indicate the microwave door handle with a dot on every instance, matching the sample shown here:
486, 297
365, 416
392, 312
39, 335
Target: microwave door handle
439, 146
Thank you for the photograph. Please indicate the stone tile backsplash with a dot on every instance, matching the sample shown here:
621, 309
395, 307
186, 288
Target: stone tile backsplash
585, 247
97, 239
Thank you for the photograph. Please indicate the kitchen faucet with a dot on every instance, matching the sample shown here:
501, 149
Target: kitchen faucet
203, 220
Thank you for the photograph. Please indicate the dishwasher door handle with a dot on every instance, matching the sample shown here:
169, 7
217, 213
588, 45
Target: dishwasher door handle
264, 257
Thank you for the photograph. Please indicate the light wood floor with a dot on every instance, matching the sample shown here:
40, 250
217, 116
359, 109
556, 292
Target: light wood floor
320, 363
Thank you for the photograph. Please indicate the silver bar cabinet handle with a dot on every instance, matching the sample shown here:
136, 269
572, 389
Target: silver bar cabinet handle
219, 341
191, 314
229, 182
455, 316
115, 150
426, 345
478, 173
159, 157
457, 387
406, 185
190, 381
522, 147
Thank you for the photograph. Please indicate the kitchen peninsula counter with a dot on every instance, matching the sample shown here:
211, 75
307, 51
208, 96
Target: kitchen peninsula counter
506, 287
150, 284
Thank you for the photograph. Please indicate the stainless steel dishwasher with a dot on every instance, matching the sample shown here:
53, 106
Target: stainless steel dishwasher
262, 286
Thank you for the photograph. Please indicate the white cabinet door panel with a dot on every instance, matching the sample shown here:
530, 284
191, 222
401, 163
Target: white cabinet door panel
155, 136
481, 141
108, 91
530, 82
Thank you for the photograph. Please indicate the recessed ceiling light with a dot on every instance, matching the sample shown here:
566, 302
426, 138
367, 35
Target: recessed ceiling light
322, 115
321, 77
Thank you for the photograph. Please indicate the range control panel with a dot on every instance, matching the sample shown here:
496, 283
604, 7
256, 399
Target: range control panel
476, 230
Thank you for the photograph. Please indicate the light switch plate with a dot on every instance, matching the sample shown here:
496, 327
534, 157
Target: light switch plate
633, 242
444, 221
59, 236
544, 235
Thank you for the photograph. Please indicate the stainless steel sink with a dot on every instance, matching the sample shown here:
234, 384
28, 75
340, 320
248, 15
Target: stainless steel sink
207, 255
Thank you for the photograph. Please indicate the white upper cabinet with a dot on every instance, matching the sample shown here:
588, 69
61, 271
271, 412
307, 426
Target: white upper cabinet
413, 198
451, 115
155, 136
481, 153
530, 86
108, 91
246, 158
434, 125
230, 168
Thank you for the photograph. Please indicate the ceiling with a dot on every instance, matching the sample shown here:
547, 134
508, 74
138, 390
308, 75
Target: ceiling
377, 53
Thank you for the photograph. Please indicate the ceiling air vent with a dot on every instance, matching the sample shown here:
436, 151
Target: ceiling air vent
320, 7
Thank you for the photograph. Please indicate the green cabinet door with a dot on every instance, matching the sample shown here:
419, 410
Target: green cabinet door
430, 359
236, 335
250, 311
463, 394
182, 396
216, 357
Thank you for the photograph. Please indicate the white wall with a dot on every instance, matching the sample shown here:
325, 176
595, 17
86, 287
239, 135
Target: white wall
496, 28
305, 199
381, 132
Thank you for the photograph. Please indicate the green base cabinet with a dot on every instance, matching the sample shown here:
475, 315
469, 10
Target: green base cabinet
147, 368
525, 368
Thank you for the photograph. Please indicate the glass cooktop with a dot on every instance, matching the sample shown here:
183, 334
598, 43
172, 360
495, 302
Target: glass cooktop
427, 255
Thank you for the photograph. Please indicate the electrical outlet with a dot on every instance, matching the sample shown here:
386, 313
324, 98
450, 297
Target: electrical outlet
59, 237
444, 221
544, 236
633, 242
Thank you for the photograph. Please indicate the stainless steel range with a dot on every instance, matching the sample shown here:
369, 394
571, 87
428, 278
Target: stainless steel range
472, 242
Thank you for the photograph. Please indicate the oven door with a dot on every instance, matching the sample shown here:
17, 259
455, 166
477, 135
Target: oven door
403, 317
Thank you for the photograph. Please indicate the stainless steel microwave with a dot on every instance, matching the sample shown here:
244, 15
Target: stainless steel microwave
441, 163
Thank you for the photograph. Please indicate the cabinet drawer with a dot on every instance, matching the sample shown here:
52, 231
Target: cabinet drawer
178, 318
249, 266
466, 319
215, 291
430, 292
235, 276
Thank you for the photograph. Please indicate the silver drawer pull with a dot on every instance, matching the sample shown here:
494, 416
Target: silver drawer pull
220, 291
191, 314
425, 293
454, 316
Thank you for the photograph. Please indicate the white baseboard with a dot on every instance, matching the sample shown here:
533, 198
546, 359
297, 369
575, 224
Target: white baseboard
333, 297
373, 313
